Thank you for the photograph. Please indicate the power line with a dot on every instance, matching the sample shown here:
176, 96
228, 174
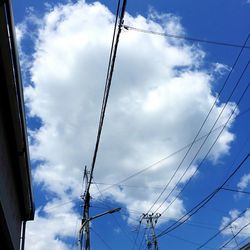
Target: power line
200, 164
236, 190
144, 234
137, 234
208, 198
107, 85
236, 242
74, 241
113, 52
222, 229
189, 214
185, 240
127, 27
200, 129
145, 169
152, 165
153, 187
195, 209
196, 224
243, 241
199, 226
102, 240
117, 184
193, 224
107, 206
165, 158
128, 186
202, 203
190, 164
62, 204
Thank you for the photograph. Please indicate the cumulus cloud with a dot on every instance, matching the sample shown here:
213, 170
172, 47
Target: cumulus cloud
159, 98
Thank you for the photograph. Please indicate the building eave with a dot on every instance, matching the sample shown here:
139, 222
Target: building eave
15, 102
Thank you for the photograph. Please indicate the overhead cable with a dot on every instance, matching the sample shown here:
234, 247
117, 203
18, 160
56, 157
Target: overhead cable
105, 243
208, 152
145, 169
223, 228
189, 214
236, 190
113, 216
107, 86
202, 203
234, 236
200, 129
143, 237
137, 234
242, 242
186, 240
163, 159
127, 27
112, 58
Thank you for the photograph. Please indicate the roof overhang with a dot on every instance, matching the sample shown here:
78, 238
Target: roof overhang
13, 97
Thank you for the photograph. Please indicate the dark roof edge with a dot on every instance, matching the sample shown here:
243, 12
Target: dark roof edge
24, 157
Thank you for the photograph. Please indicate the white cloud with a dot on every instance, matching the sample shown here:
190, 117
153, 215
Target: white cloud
19, 33
220, 68
53, 224
27, 30
158, 100
244, 182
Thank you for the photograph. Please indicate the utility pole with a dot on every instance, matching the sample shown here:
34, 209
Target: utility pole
151, 220
86, 210
86, 197
85, 216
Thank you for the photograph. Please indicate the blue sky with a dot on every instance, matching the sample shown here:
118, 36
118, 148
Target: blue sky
162, 90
